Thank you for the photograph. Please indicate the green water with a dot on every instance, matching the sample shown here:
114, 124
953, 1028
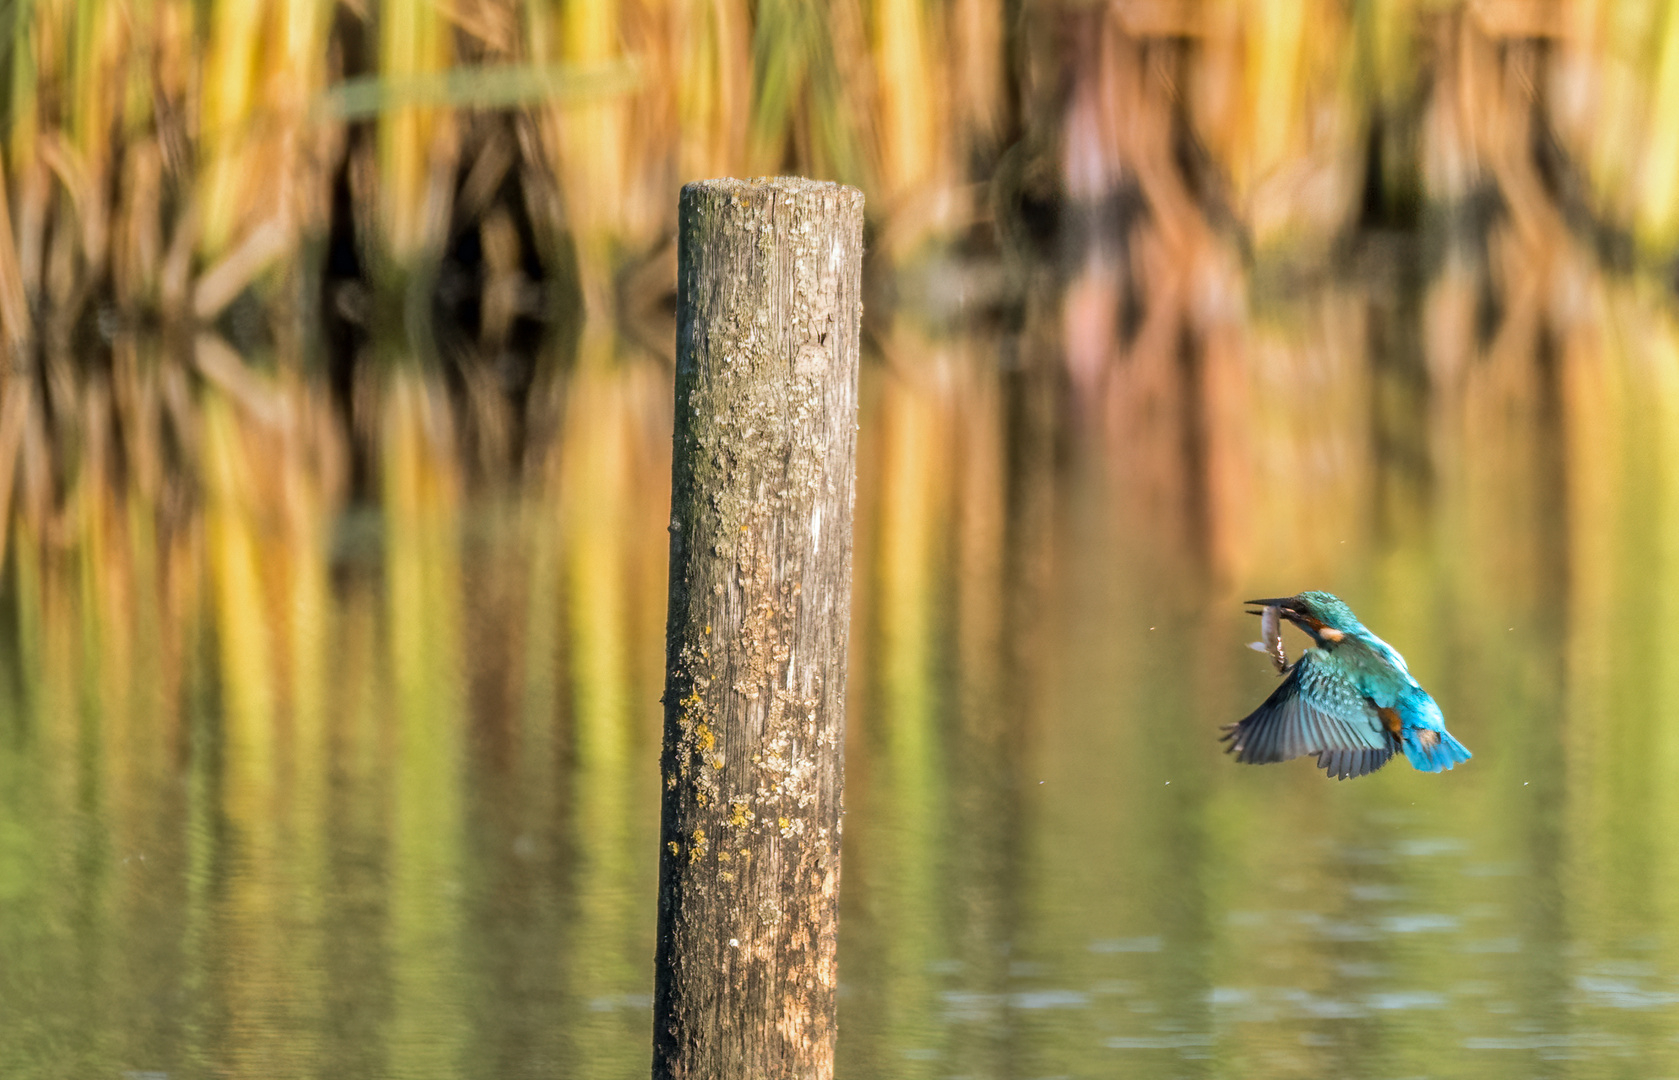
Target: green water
429, 851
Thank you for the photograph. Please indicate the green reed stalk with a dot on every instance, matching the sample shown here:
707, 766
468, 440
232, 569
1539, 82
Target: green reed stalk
416, 142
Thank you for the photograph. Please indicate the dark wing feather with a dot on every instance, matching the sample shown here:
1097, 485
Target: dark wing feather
1346, 764
1314, 711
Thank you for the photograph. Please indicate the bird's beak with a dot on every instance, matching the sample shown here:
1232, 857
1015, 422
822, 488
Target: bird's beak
1287, 606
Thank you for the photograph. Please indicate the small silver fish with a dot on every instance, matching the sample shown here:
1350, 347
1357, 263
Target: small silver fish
1271, 638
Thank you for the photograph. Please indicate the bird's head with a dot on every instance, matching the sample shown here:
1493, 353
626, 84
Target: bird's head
1322, 615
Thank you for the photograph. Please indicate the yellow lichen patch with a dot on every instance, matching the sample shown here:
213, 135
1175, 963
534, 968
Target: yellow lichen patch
696, 850
694, 728
783, 823
739, 815
698, 741
724, 856
675, 848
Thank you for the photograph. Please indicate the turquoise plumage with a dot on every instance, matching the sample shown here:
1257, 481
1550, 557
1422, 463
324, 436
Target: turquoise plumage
1349, 700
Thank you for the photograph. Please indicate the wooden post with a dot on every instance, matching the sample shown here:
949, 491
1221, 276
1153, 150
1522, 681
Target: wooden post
765, 451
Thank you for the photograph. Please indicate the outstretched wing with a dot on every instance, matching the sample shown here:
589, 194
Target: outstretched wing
1316, 710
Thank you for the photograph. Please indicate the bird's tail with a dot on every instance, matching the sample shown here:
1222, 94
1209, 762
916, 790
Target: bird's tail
1433, 751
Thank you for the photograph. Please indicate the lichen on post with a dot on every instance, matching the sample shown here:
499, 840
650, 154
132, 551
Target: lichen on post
763, 476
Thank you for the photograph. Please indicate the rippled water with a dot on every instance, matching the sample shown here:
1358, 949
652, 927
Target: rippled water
1129, 901
385, 805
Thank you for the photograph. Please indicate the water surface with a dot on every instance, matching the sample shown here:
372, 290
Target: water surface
293, 783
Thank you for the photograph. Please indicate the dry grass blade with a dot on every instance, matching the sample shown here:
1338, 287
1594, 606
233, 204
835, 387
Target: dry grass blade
225, 369
15, 322
16, 391
218, 286
497, 86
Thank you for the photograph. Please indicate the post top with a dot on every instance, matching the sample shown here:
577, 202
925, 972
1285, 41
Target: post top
792, 185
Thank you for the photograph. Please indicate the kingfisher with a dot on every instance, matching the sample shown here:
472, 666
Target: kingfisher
1349, 699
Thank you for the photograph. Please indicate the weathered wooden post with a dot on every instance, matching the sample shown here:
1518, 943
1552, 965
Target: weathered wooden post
768, 280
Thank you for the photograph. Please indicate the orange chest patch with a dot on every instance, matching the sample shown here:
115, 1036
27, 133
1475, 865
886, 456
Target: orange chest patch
1425, 738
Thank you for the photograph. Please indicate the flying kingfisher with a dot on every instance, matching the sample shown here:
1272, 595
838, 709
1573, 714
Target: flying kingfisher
1349, 700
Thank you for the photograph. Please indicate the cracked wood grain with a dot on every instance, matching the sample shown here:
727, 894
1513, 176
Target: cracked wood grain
763, 479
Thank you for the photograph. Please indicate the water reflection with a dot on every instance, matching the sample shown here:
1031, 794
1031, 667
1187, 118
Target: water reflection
295, 784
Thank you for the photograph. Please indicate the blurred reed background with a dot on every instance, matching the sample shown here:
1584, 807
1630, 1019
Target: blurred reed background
334, 463
298, 200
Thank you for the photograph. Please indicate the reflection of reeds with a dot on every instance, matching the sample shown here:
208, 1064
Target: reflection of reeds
326, 695
422, 572
907, 787
308, 683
